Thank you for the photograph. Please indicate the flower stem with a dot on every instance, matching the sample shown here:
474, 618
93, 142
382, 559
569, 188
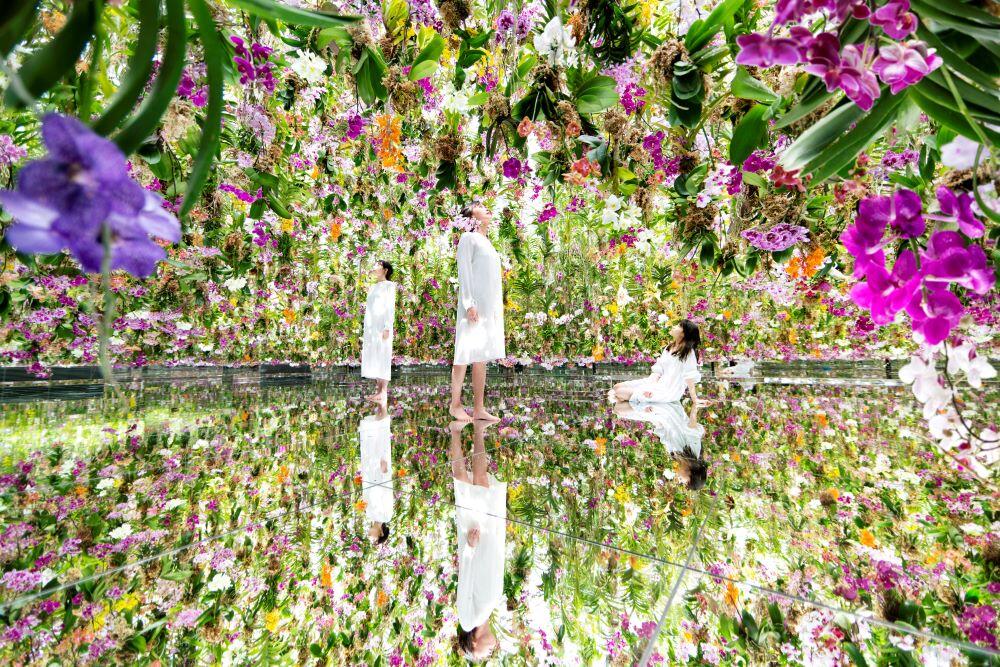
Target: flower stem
108, 315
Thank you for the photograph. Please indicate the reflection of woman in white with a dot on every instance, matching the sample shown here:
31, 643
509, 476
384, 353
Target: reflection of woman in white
376, 343
479, 331
375, 434
481, 519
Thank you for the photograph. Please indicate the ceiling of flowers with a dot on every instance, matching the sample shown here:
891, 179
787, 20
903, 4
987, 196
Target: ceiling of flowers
805, 179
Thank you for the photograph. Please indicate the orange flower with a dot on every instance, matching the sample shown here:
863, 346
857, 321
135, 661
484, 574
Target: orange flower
867, 538
325, 579
821, 419
282, 474
335, 230
360, 505
388, 134
599, 446
80, 491
289, 315
525, 127
598, 352
357, 480
732, 594
381, 599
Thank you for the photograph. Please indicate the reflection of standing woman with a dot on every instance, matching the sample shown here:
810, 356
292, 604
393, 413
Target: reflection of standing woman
376, 343
481, 519
375, 434
479, 332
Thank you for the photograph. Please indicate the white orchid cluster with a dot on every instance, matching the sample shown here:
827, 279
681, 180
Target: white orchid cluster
947, 426
620, 216
556, 44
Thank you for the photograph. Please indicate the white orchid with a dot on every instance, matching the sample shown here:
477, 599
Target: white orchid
310, 67
556, 44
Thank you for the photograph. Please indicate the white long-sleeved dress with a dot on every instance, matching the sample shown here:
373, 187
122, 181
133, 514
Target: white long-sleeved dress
663, 408
480, 568
380, 314
375, 435
479, 285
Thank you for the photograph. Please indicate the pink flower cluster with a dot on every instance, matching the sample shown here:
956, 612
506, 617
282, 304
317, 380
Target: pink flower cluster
781, 236
253, 63
852, 68
922, 289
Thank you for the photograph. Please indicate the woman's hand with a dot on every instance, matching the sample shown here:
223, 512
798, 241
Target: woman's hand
472, 537
647, 394
386, 335
472, 315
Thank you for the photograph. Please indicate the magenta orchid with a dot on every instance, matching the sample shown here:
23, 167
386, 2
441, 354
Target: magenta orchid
895, 18
900, 65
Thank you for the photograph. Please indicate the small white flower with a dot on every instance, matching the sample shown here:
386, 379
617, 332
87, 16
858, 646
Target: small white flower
121, 532
235, 284
555, 44
105, 484
310, 67
219, 582
960, 153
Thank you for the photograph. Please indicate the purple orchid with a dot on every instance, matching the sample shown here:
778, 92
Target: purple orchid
948, 260
907, 218
895, 18
935, 314
884, 293
903, 64
842, 69
959, 208
764, 50
512, 168
65, 199
864, 239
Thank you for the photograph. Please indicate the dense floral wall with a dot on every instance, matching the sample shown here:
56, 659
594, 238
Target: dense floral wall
643, 163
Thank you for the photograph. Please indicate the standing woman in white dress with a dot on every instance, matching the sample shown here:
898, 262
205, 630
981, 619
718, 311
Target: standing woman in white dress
479, 331
376, 342
481, 520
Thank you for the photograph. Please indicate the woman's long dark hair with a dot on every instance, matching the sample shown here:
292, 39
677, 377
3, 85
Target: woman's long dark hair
388, 268
690, 341
465, 639
697, 469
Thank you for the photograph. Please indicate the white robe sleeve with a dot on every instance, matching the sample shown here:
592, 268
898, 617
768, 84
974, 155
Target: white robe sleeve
658, 367
691, 371
389, 311
466, 251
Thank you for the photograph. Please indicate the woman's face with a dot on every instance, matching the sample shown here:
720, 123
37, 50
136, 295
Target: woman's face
677, 333
378, 272
375, 531
482, 216
484, 641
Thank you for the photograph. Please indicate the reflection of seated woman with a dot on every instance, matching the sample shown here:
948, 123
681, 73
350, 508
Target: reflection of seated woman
680, 436
375, 435
480, 515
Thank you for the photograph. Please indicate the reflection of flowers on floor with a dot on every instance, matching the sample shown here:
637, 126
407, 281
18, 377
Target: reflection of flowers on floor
812, 493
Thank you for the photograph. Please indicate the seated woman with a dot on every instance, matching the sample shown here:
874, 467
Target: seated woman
656, 399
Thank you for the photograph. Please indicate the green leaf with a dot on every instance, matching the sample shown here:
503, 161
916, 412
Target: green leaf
478, 99
46, 66
15, 17
748, 134
277, 206
955, 61
164, 88
527, 64
950, 118
337, 34
702, 31
211, 130
961, 24
595, 94
749, 88
369, 73
707, 254
426, 62
856, 657
137, 71
270, 9
812, 142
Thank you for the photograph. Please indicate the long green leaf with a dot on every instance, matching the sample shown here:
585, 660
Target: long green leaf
812, 142
950, 118
806, 106
165, 87
15, 18
844, 150
748, 88
46, 66
965, 11
211, 131
427, 60
967, 27
955, 61
269, 9
988, 103
748, 134
138, 69
702, 31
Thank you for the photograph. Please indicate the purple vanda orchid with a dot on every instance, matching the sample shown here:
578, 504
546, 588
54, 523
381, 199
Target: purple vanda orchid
65, 199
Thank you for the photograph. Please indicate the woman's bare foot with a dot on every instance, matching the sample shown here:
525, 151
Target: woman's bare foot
380, 398
482, 415
459, 413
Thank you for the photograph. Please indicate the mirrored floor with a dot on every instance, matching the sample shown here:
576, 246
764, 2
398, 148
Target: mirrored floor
202, 523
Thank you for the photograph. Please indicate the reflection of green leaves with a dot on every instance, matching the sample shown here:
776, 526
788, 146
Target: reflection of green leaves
46, 66
686, 94
749, 133
594, 93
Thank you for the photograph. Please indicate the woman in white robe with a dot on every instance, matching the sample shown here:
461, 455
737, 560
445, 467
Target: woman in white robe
481, 522
479, 329
376, 342
375, 436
